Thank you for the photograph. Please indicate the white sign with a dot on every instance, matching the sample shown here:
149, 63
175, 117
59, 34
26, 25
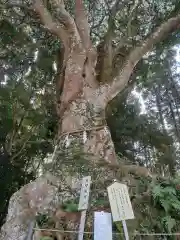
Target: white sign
102, 226
84, 195
120, 202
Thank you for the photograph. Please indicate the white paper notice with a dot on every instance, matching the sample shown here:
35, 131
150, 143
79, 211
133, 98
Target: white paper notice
102, 226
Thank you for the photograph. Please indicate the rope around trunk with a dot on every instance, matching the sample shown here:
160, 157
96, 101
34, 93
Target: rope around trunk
79, 131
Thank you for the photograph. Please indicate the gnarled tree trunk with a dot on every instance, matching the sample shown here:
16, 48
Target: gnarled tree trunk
82, 103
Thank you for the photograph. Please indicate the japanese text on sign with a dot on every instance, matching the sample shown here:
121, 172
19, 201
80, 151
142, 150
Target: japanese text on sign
120, 202
84, 195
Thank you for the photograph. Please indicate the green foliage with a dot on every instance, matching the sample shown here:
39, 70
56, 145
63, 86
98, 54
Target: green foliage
169, 223
42, 219
166, 196
100, 202
70, 207
166, 202
119, 228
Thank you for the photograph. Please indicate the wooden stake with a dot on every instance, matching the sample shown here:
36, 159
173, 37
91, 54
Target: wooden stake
125, 230
83, 204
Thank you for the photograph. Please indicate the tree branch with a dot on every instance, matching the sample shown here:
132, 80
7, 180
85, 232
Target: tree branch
45, 17
160, 34
81, 19
105, 48
129, 169
48, 22
131, 15
119, 83
24, 143
15, 131
65, 18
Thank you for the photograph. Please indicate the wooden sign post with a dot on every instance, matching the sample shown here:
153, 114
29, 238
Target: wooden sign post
83, 204
120, 204
30, 231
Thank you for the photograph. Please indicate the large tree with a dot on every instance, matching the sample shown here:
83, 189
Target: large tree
87, 79
91, 72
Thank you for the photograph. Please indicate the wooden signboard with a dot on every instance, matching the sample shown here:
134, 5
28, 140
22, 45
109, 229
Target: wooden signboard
120, 202
84, 195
